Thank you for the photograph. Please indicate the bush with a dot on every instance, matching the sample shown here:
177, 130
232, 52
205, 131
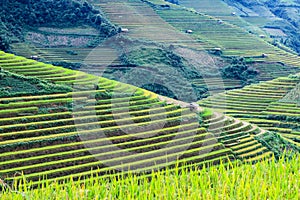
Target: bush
238, 69
4, 43
278, 145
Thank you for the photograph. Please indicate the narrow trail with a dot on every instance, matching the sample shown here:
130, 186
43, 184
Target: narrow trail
182, 104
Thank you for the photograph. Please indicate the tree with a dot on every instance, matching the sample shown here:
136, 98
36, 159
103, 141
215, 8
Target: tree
239, 70
4, 43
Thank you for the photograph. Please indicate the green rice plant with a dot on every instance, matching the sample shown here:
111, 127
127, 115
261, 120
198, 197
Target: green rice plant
15, 112
261, 104
39, 103
269, 179
207, 113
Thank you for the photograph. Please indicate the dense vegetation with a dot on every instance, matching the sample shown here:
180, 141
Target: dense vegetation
16, 16
15, 85
272, 105
239, 69
159, 65
277, 144
264, 180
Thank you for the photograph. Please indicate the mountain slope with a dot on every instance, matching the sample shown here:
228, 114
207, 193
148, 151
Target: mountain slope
109, 126
16, 85
278, 19
268, 104
233, 40
17, 16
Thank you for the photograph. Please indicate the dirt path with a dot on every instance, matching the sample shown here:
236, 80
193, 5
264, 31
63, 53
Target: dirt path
181, 103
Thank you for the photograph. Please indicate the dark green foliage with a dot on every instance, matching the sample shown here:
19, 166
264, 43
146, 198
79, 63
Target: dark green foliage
103, 95
4, 42
238, 69
68, 65
293, 41
15, 85
16, 15
162, 58
4, 36
160, 89
278, 145
164, 67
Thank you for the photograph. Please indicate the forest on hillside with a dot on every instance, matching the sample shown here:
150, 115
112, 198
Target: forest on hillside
18, 15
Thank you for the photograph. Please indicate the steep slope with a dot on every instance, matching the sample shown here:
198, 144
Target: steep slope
109, 127
64, 31
267, 104
225, 11
16, 85
213, 32
143, 22
147, 21
209, 33
148, 39
278, 18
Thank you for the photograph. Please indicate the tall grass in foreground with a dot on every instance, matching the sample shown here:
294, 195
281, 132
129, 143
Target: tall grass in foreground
265, 180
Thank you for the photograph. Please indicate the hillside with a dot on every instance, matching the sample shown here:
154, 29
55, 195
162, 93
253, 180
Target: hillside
198, 64
152, 41
273, 105
32, 27
284, 15
16, 85
213, 33
149, 99
275, 18
110, 126
208, 32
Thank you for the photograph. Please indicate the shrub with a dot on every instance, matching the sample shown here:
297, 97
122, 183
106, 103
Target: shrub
238, 69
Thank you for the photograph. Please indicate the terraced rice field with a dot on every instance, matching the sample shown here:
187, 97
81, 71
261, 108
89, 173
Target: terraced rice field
269, 71
168, 25
144, 23
27, 67
71, 45
238, 136
59, 136
218, 83
102, 55
263, 104
221, 10
233, 40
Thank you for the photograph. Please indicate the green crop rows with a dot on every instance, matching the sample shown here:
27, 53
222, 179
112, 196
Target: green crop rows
115, 126
263, 104
213, 33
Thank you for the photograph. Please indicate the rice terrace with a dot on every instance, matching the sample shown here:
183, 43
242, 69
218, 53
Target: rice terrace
149, 99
